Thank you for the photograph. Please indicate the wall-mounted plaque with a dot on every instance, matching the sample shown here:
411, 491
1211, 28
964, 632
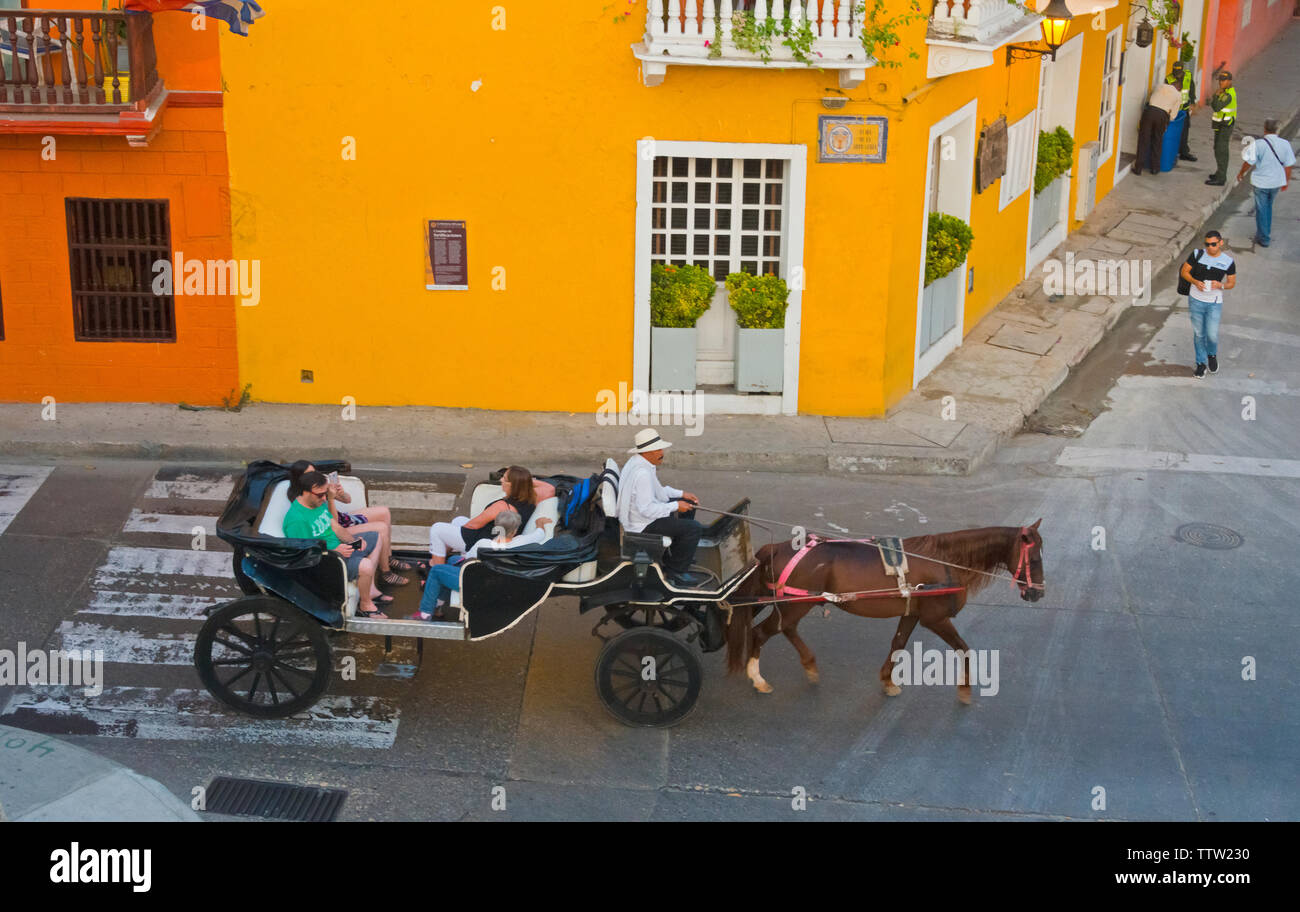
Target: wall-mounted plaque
991, 162
446, 262
851, 139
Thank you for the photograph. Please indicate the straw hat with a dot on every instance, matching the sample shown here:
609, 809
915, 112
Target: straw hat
647, 440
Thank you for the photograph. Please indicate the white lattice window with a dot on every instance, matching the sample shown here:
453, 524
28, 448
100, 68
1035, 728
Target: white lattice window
1109, 96
1022, 142
725, 214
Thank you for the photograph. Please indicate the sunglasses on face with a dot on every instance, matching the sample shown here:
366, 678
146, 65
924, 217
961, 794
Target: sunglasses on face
321, 494
1207, 244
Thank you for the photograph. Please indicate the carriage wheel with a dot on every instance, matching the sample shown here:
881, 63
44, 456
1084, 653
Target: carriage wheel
658, 692
264, 657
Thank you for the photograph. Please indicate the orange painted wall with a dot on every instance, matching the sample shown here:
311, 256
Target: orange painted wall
1238, 45
185, 164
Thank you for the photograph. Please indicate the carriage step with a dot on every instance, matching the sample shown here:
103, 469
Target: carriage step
424, 630
273, 800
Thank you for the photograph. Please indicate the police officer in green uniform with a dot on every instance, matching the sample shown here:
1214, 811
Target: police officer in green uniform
1224, 105
1181, 79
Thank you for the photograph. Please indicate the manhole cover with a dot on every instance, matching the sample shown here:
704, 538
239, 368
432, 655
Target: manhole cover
1207, 535
273, 800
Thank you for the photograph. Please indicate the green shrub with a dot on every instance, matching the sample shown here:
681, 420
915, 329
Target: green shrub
1055, 155
948, 240
759, 301
679, 295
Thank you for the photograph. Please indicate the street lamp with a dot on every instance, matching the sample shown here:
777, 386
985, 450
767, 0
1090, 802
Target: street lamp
1055, 24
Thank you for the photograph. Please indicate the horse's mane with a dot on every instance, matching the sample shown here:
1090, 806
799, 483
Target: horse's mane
976, 549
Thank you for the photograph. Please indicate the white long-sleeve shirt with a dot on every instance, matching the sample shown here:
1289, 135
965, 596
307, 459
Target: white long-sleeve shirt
535, 537
641, 498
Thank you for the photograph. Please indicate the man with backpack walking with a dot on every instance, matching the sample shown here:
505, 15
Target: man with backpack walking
1203, 278
1269, 160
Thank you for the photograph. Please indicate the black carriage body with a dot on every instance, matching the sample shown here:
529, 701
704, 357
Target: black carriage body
301, 571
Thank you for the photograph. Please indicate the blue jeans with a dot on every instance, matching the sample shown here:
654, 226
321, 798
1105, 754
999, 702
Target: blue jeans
1264, 212
441, 576
1205, 328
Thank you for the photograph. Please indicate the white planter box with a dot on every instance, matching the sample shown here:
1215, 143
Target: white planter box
760, 360
672, 358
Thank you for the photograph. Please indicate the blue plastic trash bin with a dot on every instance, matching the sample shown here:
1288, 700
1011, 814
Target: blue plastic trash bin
1172, 140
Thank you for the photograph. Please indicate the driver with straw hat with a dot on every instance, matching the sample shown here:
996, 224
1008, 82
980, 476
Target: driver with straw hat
646, 505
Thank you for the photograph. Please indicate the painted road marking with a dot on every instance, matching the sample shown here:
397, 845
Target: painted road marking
126, 561
169, 522
1226, 384
151, 604
1136, 460
153, 713
218, 490
1261, 335
410, 499
411, 536
17, 485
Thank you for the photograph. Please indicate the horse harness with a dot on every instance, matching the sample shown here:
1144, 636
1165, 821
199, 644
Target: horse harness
893, 559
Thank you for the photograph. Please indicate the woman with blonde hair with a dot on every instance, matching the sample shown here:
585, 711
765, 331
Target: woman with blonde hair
522, 494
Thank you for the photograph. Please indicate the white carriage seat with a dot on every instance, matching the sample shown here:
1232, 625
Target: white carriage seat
272, 524
356, 489
488, 493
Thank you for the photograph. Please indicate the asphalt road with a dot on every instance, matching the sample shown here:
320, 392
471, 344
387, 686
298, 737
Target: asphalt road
1125, 680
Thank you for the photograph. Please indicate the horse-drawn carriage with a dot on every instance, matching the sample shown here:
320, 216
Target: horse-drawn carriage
268, 653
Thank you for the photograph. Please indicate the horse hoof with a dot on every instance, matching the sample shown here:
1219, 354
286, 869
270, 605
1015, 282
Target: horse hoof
963, 695
763, 687
892, 690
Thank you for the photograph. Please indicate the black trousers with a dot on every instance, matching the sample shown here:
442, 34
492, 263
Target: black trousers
685, 533
1151, 136
1183, 150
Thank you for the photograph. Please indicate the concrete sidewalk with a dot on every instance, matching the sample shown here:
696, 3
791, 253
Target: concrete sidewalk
1007, 365
47, 780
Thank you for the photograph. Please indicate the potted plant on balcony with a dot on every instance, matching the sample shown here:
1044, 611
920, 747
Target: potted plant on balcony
948, 240
1055, 155
679, 296
759, 303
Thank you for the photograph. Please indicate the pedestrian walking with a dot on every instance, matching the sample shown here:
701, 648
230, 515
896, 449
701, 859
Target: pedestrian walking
1205, 276
1151, 129
1224, 105
1269, 160
1181, 79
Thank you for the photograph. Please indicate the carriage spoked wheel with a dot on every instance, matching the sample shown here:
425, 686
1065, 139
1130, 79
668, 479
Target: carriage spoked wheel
647, 677
264, 657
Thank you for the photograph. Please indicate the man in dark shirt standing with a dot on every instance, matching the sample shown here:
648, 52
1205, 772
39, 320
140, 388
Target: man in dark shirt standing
1210, 272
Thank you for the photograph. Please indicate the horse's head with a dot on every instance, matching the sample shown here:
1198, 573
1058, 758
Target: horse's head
1028, 563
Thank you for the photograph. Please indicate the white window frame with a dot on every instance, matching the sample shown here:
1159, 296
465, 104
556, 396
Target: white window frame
1109, 95
1021, 140
796, 157
1245, 12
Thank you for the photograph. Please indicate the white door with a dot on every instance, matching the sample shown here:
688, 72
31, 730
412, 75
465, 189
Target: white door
1193, 15
1133, 95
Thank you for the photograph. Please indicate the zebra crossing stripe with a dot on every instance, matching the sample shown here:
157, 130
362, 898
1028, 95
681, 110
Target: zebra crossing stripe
17, 485
417, 536
435, 501
162, 714
127, 561
171, 523
128, 645
151, 604
218, 490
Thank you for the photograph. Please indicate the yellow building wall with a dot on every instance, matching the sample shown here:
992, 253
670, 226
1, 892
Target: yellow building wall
529, 134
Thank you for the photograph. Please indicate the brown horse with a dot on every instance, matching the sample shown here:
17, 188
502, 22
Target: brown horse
969, 560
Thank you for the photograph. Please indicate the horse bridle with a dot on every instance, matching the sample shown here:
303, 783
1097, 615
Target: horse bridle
1025, 563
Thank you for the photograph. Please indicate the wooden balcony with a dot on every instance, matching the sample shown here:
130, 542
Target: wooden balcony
65, 71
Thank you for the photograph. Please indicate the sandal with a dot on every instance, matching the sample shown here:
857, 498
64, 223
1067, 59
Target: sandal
402, 566
375, 615
389, 578
382, 600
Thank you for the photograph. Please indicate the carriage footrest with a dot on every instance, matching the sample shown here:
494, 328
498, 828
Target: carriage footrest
424, 630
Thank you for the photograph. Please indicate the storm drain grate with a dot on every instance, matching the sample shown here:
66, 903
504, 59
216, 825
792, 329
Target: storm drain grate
1207, 535
274, 800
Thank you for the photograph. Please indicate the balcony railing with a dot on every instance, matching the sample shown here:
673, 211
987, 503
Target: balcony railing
75, 62
703, 33
966, 34
977, 19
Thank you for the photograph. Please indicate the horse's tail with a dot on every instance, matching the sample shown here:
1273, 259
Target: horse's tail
740, 636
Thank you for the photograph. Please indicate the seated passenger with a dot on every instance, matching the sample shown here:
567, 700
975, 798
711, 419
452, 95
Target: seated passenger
375, 519
645, 505
447, 576
309, 517
522, 495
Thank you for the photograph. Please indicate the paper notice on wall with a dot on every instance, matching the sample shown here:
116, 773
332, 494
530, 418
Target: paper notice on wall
446, 261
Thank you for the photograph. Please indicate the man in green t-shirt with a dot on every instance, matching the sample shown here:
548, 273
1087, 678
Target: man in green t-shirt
309, 516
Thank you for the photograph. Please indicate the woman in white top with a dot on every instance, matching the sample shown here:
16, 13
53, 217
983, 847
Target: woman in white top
447, 576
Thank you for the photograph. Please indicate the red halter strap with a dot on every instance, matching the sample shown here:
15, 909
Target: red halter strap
1026, 547
813, 541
